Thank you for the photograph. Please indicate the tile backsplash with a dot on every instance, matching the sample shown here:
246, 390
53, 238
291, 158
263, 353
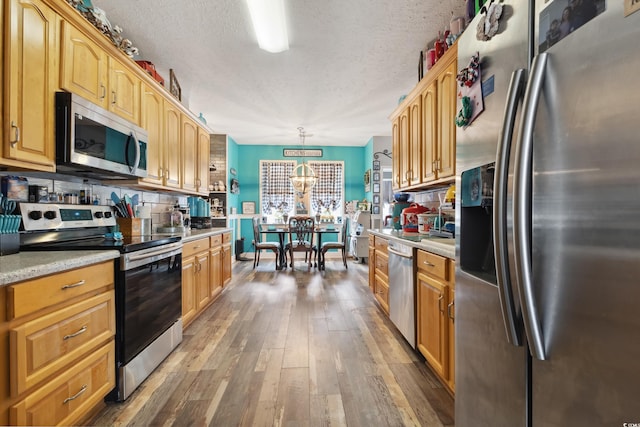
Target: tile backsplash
161, 203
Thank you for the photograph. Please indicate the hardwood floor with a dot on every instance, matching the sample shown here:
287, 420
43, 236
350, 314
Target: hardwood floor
290, 348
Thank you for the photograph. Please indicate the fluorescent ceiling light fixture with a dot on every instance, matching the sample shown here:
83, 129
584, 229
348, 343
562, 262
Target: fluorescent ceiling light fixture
269, 24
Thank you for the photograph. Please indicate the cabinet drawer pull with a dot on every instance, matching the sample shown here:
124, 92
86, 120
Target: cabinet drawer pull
17, 133
74, 285
75, 334
75, 396
428, 264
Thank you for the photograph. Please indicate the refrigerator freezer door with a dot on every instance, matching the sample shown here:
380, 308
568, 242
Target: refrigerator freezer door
490, 372
585, 228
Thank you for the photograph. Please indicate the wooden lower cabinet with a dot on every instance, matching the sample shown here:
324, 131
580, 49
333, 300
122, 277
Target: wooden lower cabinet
57, 346
435, 302
206, 269
381, 272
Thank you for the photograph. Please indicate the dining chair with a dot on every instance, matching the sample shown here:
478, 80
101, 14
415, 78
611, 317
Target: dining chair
341, 245
301, 232
260, 245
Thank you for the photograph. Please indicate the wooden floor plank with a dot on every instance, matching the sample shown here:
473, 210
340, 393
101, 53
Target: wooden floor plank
290, 348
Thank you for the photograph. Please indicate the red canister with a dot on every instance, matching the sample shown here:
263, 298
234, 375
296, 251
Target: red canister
409, 217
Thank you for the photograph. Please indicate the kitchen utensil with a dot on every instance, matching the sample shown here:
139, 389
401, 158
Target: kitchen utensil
135, 200
115, 198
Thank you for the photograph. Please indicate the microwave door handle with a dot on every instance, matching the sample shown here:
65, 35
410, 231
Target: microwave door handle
137, 163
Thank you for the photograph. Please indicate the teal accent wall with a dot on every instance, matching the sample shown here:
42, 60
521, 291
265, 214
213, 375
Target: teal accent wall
246, 160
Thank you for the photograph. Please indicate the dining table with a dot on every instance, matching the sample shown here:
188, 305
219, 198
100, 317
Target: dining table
281, 231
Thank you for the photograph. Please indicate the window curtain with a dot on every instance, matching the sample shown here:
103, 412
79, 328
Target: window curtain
276, 192
328, 191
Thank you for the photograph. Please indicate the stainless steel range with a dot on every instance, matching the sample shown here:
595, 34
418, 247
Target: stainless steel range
148, 286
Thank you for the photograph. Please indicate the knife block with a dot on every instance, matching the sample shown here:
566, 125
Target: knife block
130, 226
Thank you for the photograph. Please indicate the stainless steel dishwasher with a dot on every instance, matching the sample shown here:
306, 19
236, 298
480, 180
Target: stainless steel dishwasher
402, 290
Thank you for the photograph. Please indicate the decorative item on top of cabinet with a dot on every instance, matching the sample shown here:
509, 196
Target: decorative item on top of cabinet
174, 86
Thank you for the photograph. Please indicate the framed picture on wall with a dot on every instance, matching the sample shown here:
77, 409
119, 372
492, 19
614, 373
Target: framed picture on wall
249, 208
376, 177
376, 165
376, 199
376, 210
376, 187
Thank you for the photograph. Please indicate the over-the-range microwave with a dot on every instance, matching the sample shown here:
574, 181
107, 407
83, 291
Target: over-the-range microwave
94, 142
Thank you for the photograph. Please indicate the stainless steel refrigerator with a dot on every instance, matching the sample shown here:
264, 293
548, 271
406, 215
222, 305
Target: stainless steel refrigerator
548, 215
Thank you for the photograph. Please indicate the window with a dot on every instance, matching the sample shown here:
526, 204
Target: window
276, 193
327, 196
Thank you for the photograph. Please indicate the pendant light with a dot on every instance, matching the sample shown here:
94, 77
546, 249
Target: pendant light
303, 178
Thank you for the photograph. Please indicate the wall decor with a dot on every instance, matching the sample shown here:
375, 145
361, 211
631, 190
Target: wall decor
376, 165
376, 177
235, 186
174, 86
287, 152
248, 208
376, 199
367, 181
376, 210
376, 187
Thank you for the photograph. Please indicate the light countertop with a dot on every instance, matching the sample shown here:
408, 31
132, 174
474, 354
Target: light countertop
438, 245
29, 265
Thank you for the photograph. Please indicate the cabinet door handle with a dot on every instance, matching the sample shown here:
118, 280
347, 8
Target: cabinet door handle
450, 311
16, 133
75, 334
104, 91
113, 97
161, 173
74, 285
75, 396
440, 303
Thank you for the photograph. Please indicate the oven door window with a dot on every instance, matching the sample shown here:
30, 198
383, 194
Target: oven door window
151, 301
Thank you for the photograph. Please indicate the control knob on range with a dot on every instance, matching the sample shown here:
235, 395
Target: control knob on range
98, 214
50, 214
107, 214
35, 215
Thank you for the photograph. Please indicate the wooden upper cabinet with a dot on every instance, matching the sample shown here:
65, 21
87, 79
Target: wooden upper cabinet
152, 114
88, 71
189, 154
31, 78
429, 132
204, 148
85, 66
395, 149
405, 150
124, 91
447, 86
415, 138
172, 146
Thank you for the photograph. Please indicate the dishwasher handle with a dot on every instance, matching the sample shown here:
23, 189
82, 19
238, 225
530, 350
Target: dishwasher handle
403, 255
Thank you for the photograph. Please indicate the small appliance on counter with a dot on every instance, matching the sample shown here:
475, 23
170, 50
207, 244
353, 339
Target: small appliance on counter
359, 235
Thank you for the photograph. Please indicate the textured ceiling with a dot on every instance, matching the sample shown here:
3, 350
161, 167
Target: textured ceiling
348, 63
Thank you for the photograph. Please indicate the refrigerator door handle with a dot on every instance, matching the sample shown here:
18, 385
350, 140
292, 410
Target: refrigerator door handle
503, 276
522, 194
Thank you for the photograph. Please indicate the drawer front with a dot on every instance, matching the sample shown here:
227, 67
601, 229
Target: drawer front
215, 240
433, 265
28, 297
46, 344
382, 293
381, 244
226, 238
194, 247
70, 396
382, 263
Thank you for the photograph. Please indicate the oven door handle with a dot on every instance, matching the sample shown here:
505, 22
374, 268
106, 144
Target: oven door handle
164, 250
